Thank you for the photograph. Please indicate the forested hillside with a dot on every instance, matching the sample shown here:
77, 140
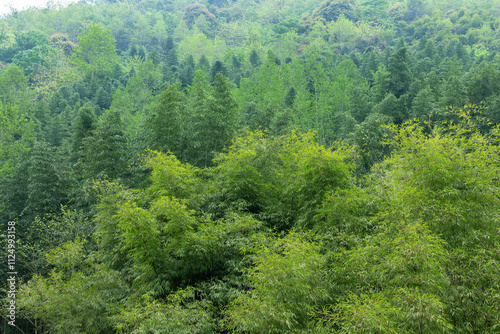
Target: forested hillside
251, 166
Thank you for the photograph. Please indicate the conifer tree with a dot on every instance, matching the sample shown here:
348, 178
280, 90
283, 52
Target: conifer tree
47, 183
399, 72
203, 64
236, 63
187, 70
84, 125
225, 106
102, 98
423, 104
369, 65
290, 97
254, 59
171, 52
217, 67
199, 102
106, 150
215, 116
454, 93
165, 121
141, 52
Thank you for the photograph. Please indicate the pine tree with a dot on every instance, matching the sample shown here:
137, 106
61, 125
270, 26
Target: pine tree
117, 72
254, 59
133, 51
215, 117
290, 97
217, 67
171, 52
454, 93
105, 152
199, 108
165, 121
381, 82
369, 65
399, 72
47, 183
187, 70
236, 63
203, 64
102, 98
423, 104
84, 126
141, 52
393, 107
225, 106
58, 128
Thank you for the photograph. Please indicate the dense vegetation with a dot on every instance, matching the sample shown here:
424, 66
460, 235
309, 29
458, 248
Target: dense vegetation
235, 166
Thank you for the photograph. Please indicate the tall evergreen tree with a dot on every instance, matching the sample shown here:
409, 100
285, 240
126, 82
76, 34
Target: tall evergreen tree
186, 72
399, 72
215, 116
199, 108
254, 59
217, 67
165, 121
369, 65
203, 64
48, 181
171, 52
290, 97
84, 126
106, 150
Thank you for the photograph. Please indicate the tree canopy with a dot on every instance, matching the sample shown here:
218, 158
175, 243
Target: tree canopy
269, 166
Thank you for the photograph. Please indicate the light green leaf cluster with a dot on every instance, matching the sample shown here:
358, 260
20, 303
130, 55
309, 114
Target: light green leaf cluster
287, 282
16, 137
96, 51
281, 179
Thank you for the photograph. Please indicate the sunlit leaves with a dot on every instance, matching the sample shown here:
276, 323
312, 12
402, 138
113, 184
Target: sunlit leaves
282, 179
287, 284
96, 51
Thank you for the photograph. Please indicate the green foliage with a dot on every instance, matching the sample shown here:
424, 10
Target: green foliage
30, 60
374, 9
397, 275
48, 182
288, 284
76, 297
196, 10
13, 86
169, 177
368, 138
30, 39
105, 152
330, 10
399, 72
16, 137
215, 116
182, 314
405, 220
84, 126
447, 172
281, 179
96, 51
45, 234
165, 121
483, 80
452, 171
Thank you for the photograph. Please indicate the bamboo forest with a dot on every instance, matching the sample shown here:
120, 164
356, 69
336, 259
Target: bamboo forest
250, 166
